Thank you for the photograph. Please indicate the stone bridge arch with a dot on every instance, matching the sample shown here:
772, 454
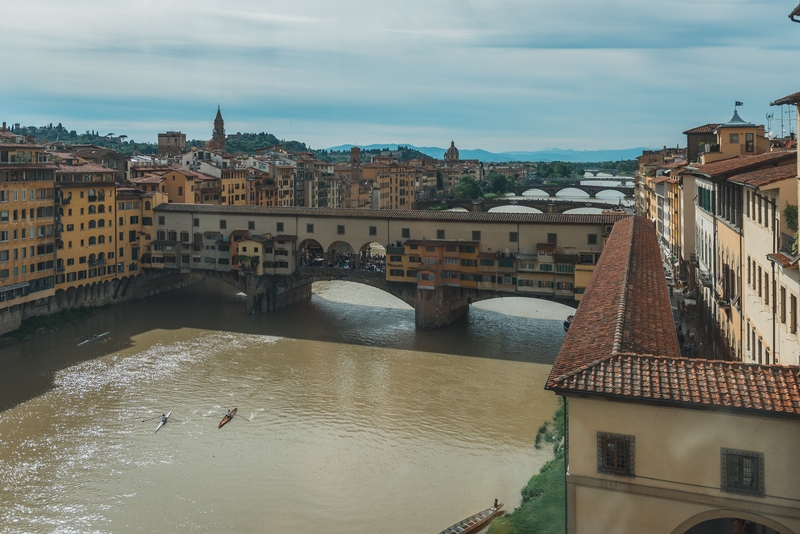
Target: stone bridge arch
723, 513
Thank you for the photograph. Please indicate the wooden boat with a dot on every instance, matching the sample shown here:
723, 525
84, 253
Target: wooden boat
164, 422
568, 322
94, 336
226, 418
475, 522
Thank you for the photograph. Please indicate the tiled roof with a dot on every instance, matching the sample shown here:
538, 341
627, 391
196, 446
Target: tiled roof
793, 98
706, 128
622, 343
148, 179
467, 216
85, 168
765, 176
721, 168
783, 259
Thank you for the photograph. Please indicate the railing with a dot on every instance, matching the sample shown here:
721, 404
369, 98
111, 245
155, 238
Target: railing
787, 243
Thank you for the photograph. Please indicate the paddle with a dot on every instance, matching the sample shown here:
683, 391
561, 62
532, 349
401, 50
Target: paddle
243, 417
156, 417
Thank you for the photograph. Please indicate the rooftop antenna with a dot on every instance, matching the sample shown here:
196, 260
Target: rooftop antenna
770, 116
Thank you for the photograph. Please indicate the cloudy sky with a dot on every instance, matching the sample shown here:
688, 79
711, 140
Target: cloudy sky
493, 74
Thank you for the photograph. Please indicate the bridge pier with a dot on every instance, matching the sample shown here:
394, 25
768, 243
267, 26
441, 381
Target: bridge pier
440, 307
272, 293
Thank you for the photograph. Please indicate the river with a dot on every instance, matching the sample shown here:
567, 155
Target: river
352, 421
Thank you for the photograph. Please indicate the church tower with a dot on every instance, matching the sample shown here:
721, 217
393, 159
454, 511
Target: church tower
452, 152
218, 135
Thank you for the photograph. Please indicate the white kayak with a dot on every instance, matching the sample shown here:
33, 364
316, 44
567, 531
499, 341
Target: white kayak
95, 336
164, 422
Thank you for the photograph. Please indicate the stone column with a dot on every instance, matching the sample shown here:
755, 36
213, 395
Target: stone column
440, 307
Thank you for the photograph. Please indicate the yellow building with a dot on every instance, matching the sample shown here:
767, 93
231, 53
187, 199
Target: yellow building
87, 244
27, 218
736, 138
135, 227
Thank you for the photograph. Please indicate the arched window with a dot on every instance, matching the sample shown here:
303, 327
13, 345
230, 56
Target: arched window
92, 209
61, 211
101, 223
101, 239
92, 195
147, 205
92, 224
101, 256
92, 240
101, 208
92, 259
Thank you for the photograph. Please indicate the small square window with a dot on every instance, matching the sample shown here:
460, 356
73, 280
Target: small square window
552, 239
279, 227
513, 237
309, 228
196, 222
251, 225
615, 454
340, 229
161, 220
591, 239
439, 234
742, 472
373, 230
406, 233
476, 235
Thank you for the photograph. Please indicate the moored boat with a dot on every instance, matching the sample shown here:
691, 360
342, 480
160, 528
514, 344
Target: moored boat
164, 422
227, 418
475, 522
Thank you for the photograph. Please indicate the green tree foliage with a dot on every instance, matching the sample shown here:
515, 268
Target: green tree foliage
467, 188
790, 216
497, 182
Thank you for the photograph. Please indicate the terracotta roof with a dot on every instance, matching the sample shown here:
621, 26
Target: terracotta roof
765, 176
477, 216
622, 343
706, 128
721, 168
783, 259
148, 179
85, 168
793, 98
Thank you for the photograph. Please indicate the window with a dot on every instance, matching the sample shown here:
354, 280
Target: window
476, 235
196, 221
340, 229
134, 219
251, 225
396, 272
279, 227
439, 234
591, 239
373, 230
485, 262
552, 239
161, 220
513, 237
451, 261
406, 233
793, 314
733, 138
309, 228
223, 224
615, 454
546, 267
742, 472
749, 146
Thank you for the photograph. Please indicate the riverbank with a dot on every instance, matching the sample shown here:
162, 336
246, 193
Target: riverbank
543, 504
36, 326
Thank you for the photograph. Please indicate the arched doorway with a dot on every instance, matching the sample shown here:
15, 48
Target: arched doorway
311, 254
730, 522
342, 255
372, 257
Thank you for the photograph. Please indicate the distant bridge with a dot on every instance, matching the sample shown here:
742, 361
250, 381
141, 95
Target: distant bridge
543, 204
591, 190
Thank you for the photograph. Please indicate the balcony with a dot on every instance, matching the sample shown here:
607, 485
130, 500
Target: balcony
788, 243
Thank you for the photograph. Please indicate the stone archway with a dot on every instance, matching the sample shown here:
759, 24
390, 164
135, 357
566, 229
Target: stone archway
342, 255
721, 522
310, 253
372, 256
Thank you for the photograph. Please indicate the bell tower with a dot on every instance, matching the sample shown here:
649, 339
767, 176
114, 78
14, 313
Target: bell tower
218, 135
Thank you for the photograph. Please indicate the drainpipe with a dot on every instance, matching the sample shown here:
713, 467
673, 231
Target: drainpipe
566, 463
714, 272
775, 237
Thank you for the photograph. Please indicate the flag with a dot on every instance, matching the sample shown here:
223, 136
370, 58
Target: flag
738, 104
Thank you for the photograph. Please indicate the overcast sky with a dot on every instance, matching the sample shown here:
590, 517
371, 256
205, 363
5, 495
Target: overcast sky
498, 75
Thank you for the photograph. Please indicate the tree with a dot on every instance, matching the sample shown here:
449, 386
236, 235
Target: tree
497, 182
467, 188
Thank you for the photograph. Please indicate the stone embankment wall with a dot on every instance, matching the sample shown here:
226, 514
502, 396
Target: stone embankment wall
96, 294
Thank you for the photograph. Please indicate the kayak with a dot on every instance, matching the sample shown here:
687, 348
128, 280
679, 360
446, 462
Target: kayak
164, 422
226, 418
94, 336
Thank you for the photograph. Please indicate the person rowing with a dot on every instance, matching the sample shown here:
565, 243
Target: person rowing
229, 415
163, 418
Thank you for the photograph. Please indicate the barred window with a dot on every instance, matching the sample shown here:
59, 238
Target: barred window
742, 472
615, 454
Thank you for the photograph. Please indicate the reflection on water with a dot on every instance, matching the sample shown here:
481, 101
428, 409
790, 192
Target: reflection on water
348, 413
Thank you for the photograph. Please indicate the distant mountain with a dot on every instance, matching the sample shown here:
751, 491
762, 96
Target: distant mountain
554, 154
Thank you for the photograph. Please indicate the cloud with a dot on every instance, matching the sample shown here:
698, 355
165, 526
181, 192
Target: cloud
499, 75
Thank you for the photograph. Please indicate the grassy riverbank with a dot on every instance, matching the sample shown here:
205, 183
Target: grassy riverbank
542, 508
36, 326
